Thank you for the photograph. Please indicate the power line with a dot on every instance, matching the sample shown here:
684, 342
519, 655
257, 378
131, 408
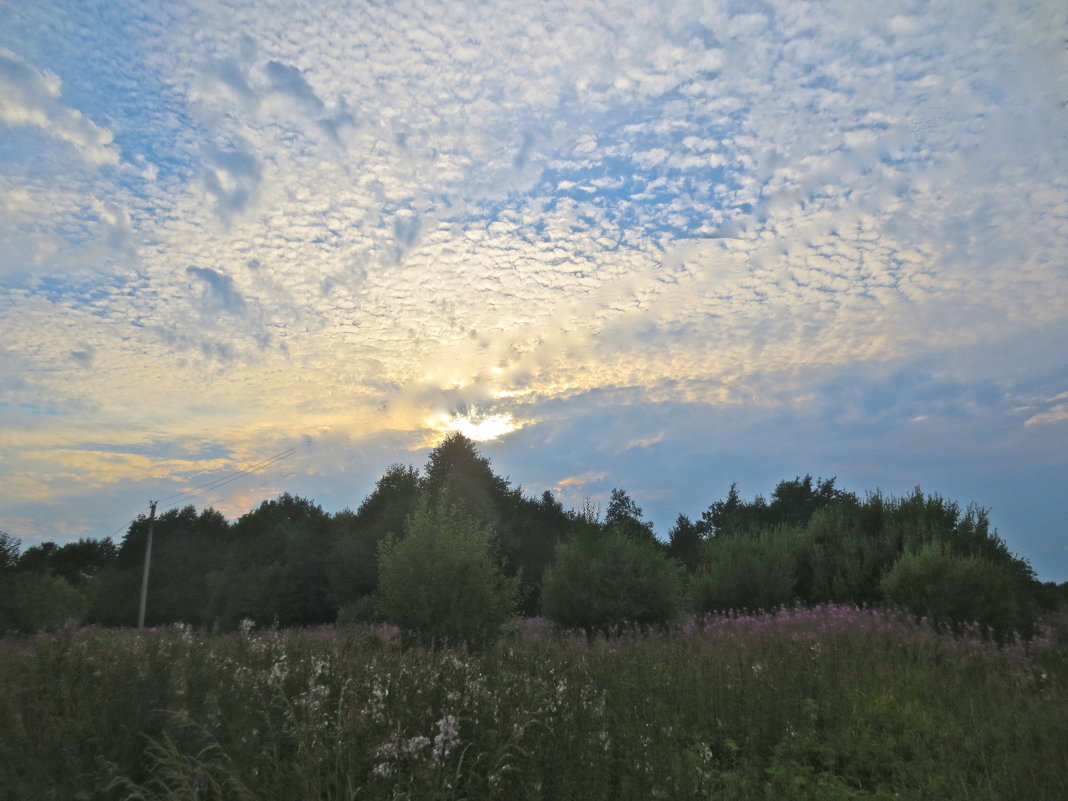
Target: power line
210, 485
250, 469
124, 526
219, 482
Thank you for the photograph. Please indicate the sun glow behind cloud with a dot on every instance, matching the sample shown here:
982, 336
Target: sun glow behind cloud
477, 426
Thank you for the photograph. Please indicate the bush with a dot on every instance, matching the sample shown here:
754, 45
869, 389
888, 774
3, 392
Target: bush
362, 611
954, 590
743, 572
442, 584
31, 602
604, 582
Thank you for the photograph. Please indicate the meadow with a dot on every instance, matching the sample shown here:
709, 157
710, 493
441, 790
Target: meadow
832, 702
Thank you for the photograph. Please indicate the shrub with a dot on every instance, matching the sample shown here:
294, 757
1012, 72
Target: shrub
30, 602
743, 572
362, 611
442, 584
603, 582
954, 590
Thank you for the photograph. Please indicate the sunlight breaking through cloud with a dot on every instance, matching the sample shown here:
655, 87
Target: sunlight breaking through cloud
476, 426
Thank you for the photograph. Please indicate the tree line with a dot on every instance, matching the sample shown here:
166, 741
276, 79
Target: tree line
453, 551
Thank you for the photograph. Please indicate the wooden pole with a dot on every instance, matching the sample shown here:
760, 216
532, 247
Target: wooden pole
148, 561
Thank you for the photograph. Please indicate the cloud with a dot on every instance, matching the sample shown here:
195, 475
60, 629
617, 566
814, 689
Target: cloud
288, 80
1057, 413
232, 178
644, 442
219, 294
591, 477
30, 97
84, 357
804, 211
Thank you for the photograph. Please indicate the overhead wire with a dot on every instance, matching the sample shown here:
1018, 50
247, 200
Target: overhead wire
210, 485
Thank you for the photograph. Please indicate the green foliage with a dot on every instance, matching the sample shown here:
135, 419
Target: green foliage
441, 583
607, 582
9, 550
843, 705
186, 548
361, 611
955, 590
841, 557
793, 503
685, 543
30, 602
275, 567
354, 567
77, 562
457, 475
745, 573
625, 516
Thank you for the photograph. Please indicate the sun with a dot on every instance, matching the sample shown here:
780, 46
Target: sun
476, 426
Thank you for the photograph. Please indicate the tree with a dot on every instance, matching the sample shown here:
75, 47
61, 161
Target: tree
30, 602
723, 516
745, 573
953, 590
604, 582
9, 550
794, 502
77, 562
625, 516
187, 547
276, 566
684, 543
442, 584
354, 566
457, 475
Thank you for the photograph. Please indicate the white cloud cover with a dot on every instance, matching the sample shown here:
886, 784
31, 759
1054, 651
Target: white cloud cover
346, 222
30, 96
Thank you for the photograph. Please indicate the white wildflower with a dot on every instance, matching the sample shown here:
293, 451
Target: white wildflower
446, 738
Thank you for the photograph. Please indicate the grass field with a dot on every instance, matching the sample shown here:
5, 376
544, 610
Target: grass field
831, 703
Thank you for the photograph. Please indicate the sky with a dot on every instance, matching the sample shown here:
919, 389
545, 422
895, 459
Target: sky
663, 246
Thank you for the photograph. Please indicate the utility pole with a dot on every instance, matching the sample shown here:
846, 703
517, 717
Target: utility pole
148, 561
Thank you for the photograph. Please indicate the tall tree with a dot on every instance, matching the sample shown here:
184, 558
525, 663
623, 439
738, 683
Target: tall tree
625, 516
9, 550
354, 568
684, 542
457, 474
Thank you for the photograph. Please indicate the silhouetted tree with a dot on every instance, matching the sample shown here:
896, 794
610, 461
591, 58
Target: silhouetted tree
625, 516
276, 568
456, 474
187, 547
76, 562
684, 542
9, 550
354, 566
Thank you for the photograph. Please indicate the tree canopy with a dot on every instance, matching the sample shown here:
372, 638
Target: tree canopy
289, 563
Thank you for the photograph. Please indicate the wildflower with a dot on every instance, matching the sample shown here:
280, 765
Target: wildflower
446, 737
382, 769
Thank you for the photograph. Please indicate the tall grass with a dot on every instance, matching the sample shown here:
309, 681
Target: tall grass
834, 702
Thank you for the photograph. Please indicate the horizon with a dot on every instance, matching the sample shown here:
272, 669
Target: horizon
657, 246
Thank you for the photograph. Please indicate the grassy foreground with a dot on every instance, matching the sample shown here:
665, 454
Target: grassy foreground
832, 703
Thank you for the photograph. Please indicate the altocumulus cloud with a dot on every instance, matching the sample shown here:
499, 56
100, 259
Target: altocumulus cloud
601, 221
31, 96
